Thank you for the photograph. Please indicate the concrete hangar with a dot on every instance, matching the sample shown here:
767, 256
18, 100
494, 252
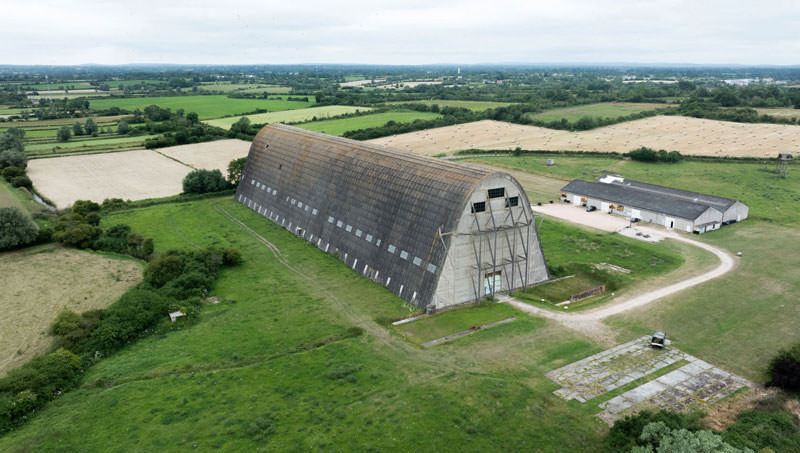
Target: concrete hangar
435, 233
672, 208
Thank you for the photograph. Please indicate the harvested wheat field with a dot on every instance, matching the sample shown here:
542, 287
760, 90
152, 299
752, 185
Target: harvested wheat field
674, 133
130, 175
208, 155
40, 282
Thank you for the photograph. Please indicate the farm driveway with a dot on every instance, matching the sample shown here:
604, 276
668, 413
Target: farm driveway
590, 319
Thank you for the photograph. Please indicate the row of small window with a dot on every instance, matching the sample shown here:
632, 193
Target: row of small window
261, 186
300, 205
480, 206
390, 248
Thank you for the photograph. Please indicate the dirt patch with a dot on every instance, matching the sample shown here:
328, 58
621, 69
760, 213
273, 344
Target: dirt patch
209, 155
130, 175
39, 283
675, 133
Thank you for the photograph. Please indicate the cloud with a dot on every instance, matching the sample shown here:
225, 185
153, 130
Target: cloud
409, 32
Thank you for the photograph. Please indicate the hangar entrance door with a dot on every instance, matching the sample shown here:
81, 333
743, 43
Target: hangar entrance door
492, 283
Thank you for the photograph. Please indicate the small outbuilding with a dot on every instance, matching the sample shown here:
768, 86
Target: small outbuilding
673, 208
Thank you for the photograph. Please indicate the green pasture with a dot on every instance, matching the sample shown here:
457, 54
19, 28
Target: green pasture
74, 85
340, 126
477, 106
124, 83
206, 107
601, 110
756, 184
290, 116
40, 124
88, 144
227, 87
276, 365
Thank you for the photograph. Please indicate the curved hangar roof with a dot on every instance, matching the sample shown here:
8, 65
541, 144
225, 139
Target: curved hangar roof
381, 209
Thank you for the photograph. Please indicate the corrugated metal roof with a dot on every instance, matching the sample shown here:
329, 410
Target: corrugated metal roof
398, 198
641, 197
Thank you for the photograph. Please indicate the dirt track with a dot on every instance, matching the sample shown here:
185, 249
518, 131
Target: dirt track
691, 136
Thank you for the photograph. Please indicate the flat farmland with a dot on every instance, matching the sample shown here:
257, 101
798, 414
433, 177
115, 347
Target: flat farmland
208, 155
206, 107
477, 106
340, 126
226, 87
60, 121
290, 116
781, 112
133, 175
692, 136
602, 109
90, 144
40, 282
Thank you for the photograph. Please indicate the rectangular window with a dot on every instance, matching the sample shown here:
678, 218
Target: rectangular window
252, 181
369, 237
431, 268
314, 211
478, 207
404, 255
275, 192
299, 204
391, 248
359, 233
307, 208
417, 261
339, 223
511, 202
330, 219
294, 201
500, 192
378, 243
269, 189
348, 228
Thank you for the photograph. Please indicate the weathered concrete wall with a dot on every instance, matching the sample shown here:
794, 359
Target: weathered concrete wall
504, 240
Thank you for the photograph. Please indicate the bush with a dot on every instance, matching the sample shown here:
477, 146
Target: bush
760, 429
10, 173
645, 154
205, 181
784, 369
625, 433
231, 256
46, 376
16, 228
163, 269
22, 181
13, 158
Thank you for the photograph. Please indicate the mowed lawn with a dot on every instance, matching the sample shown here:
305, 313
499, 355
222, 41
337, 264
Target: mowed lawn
340, 126
602, 110
290, 116
88, 144
477, 106
275, 366
206, 107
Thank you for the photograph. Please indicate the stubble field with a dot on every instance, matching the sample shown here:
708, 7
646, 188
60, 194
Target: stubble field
692, 136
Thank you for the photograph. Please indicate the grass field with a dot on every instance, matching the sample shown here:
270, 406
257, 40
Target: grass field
60, 122
691, 136
40, 282
88, 144
124, 83
602, 110
206, 107
784, 112
227, 87
450, 322
273, 371
340, 126
477, 106
560, 291
290, 116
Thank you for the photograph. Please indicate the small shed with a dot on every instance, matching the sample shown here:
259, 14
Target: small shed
549, 162
174, 315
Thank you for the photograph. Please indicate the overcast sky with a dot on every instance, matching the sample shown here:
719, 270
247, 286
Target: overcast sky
402, 32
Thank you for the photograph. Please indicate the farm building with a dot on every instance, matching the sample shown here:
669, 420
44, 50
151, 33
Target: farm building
435, 233
672, 208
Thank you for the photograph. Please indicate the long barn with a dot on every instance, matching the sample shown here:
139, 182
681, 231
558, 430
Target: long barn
435, 233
